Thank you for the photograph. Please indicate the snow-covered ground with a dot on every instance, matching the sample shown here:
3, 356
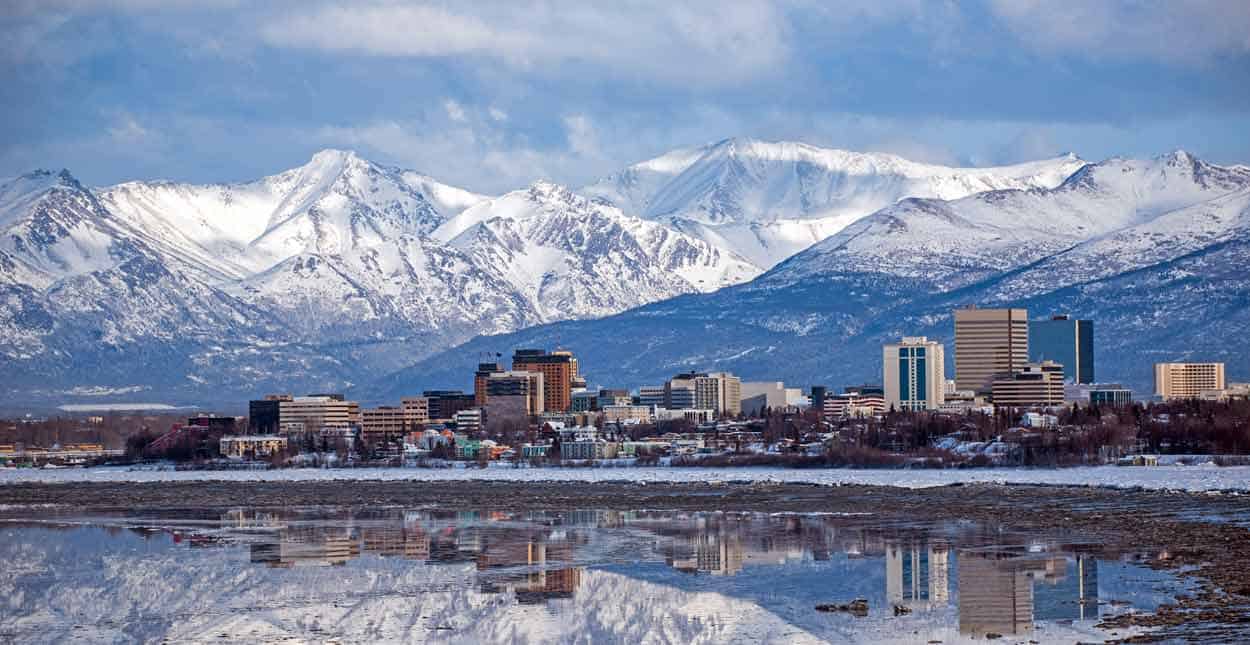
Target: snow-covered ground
1189, 478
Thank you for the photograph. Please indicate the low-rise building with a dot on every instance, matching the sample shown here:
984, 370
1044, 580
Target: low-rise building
469, 420
1038, 384
592, 449
626, 414
381, 422
252, 445
856, 401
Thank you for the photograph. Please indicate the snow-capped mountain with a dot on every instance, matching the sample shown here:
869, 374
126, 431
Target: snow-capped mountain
335, 268
1154, 250
766, 201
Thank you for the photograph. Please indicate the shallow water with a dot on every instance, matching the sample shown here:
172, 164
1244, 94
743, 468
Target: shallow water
578, 576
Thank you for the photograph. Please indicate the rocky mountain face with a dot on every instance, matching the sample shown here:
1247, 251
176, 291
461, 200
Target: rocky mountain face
1155, 251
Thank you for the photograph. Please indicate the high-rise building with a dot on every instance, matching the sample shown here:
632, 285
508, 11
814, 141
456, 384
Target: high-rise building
559, 370
1187, 380
1039, 384
527, 385
264, 415
915, 374
484, 370
1067, 341
989, 343
320, 411
819, 392
651, 395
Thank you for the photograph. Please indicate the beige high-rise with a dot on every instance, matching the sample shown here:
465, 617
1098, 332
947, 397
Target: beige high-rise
989, 343
1187, 380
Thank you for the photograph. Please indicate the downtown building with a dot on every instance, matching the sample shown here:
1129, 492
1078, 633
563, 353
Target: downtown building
720, 392
520, 393
1036, 384
914, 372
989, 343
560, 375
1067, 341
1187, 380
312, 413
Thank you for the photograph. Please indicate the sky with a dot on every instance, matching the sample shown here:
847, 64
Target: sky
491, 96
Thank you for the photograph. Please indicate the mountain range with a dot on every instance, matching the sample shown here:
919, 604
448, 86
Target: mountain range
775, 260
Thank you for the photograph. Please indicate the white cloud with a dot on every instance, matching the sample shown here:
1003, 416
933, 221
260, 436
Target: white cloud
1169, 31
709, 43
455, 111
497, 114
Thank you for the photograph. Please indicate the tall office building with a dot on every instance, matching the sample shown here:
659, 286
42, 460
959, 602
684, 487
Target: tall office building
416, 410
442, 405
1187, 380
915, 374
484, 370
559, 370
989, 343
1067, 341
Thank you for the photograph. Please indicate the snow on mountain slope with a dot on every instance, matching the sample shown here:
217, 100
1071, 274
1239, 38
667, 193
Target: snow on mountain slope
575, 257
958, 242
769, 200
230, 231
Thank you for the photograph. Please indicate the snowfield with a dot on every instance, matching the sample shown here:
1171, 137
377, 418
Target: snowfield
1184, 478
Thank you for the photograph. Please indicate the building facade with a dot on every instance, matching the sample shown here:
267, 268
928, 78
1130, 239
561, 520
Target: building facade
1036, 384
1187, 380
1067, 341
989, 343
251, 445
559, 370
530, 386
484, 370
442, 405
320, 411
914, 372
416, 410
264, 416
382, 422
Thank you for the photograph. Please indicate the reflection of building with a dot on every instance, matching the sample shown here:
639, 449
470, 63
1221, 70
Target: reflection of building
305, 548
917, 575
1068, 590
714, 553
995, 593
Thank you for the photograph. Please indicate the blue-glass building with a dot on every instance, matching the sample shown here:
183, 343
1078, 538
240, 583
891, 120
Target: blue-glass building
1065, 340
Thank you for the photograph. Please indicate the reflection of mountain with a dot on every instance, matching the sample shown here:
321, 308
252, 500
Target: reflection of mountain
584, 577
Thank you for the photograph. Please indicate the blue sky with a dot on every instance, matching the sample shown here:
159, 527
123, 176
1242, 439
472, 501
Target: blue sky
492, 95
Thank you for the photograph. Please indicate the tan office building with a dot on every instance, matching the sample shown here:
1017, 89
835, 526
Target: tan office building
529, 386
384, 421
1036, 384
416, 409
988, 344
1187, 380
316, 412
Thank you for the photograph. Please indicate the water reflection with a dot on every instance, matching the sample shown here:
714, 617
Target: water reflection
601, 576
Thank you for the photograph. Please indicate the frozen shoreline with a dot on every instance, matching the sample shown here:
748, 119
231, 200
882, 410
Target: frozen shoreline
1187, 478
